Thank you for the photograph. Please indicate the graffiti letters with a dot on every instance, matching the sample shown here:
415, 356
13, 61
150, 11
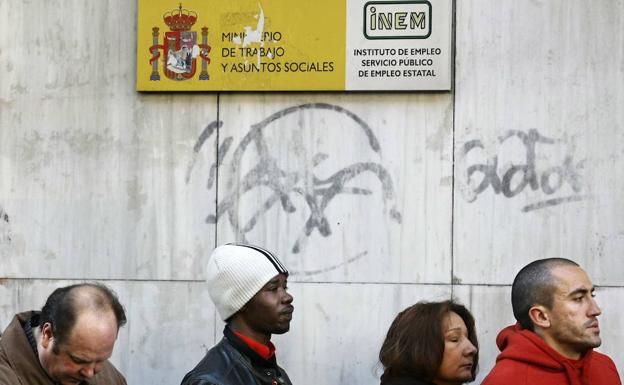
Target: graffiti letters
317, 192
514, 178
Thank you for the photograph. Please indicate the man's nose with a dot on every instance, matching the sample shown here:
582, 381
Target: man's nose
594, 309
287, 298
89, 370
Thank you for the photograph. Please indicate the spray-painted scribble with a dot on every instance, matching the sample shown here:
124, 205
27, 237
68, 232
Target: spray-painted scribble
282, 183
515, 178
5, 231
329, 268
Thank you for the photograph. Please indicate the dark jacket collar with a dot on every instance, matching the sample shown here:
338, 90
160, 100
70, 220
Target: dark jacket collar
244, 349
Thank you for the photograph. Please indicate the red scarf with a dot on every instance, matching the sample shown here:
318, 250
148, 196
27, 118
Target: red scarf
265, 351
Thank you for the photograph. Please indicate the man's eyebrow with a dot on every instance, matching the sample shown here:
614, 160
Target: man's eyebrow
274, 281
582, 290
77, 358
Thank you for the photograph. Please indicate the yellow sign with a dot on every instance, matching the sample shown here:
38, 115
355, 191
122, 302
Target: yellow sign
276, 45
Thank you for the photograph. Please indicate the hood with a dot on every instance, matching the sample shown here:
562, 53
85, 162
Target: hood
521, 345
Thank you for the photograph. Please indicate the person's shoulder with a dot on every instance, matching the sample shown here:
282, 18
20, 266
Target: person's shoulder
507, 372
217, 357
602, 359
212, 368
8, 348
109, 376
199, 381
604, 364
7, 374
202, 375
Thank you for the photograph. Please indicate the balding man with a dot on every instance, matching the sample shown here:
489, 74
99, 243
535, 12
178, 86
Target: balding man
557, 330
68, 342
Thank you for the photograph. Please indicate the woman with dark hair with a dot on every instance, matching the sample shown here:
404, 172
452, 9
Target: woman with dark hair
430, 343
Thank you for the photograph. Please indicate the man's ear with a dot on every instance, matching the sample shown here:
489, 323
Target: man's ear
540, 316
46, 335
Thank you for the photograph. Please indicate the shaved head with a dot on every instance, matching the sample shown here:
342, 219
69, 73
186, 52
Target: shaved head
535, 285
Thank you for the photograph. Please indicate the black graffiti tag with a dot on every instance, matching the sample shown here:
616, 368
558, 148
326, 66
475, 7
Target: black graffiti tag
517, 177
267, 174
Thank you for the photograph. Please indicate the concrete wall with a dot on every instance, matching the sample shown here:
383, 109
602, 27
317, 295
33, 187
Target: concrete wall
374, 201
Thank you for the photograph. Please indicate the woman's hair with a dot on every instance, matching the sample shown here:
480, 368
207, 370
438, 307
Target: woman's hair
414, 345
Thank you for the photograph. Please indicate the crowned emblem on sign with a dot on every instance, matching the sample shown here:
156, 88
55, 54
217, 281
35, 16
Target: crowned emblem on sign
180, 48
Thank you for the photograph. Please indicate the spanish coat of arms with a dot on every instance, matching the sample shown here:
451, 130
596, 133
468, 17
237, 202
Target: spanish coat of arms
180, 47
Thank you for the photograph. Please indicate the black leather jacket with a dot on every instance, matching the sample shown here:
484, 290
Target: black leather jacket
232, 362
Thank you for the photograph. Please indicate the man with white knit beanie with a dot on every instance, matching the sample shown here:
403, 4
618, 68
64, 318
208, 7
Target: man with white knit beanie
248, 287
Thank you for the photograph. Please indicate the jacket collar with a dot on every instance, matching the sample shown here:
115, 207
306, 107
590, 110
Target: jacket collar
265, 351
518, 344
244, 349
21, 354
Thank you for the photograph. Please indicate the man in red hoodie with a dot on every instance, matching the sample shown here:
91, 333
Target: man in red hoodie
557, 330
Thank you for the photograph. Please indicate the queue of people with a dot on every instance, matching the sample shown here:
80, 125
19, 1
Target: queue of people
71, 339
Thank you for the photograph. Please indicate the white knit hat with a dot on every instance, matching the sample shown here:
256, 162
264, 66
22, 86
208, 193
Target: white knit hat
235, 273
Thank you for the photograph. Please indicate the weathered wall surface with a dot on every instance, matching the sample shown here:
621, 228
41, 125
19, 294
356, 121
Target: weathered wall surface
374, 201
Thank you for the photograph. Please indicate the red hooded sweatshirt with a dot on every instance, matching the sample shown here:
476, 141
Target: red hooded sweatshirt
525, 359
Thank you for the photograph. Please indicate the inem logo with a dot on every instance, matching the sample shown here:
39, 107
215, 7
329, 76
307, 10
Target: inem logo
397, 20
